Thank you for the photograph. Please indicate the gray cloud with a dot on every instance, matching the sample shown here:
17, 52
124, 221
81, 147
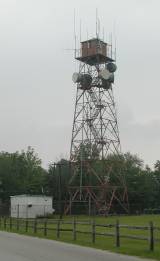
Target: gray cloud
37, 94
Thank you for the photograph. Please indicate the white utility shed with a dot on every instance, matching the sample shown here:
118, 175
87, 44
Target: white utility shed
28, 206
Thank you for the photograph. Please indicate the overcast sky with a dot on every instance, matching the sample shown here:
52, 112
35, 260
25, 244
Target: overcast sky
36, 91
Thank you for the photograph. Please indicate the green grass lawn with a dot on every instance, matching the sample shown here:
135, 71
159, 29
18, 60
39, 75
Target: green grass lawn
127, 246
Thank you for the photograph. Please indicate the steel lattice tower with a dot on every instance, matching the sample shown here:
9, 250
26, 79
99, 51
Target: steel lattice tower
95, 132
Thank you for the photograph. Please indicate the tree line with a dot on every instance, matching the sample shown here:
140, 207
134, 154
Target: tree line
22, 173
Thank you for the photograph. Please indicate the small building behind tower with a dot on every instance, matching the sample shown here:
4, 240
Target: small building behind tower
31, 206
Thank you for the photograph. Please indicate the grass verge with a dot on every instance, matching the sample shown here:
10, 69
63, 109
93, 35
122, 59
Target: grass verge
127, 246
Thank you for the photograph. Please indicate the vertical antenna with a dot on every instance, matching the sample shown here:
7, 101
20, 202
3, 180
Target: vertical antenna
106, 38
115, 49
99, 27
87, 33
96, 22
103, 33
80, 37
115, 41
111, 46
80, 30
75, 33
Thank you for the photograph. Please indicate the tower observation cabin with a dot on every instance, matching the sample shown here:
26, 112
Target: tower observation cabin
95, 51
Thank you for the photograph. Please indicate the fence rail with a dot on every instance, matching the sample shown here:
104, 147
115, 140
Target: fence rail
46, 225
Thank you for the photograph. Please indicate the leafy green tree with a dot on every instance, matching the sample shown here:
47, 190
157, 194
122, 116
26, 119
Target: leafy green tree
156, 174
57, 179
20, 172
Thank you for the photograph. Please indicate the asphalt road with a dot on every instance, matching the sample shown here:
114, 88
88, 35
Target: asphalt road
15, 247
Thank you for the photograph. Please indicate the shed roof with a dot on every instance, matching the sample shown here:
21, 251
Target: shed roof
93, 39
28, 195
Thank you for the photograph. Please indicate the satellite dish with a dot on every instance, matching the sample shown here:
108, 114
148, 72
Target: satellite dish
85, 80
106, 84
75, 77
111, 78
111, 67
104, 74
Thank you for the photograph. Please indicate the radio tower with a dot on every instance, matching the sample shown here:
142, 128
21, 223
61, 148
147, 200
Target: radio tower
95, 133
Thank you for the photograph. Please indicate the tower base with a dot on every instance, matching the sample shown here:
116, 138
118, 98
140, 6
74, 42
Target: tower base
106, 197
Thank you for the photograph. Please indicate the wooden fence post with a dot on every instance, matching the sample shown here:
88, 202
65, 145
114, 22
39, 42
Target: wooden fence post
4, 222
151, 236
74, 229
93, 231
10, 223
58, 229
117, 234
26, 224
18, 211
17, 224
35, 226
45, 227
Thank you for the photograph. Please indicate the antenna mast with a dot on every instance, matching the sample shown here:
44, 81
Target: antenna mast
74, 32
95, 138
97, 36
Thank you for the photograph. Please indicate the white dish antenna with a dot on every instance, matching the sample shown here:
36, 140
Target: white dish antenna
105, 74
85, 80
76, 77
